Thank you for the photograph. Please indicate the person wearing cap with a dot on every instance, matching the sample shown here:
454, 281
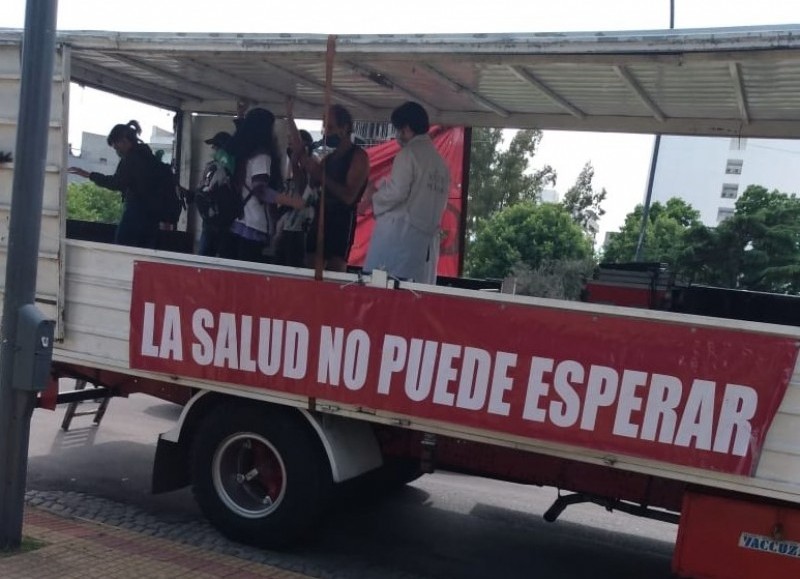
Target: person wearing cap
219, 140
219, 147
408, 206
220, 167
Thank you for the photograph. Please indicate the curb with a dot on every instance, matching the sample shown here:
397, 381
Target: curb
84, 549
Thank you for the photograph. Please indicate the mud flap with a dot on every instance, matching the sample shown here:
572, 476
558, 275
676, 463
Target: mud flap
170, 467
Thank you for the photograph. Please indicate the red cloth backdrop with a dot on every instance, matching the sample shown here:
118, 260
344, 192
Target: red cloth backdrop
450, 144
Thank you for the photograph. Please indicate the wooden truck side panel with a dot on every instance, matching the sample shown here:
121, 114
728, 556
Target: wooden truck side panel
99, 332
50, 265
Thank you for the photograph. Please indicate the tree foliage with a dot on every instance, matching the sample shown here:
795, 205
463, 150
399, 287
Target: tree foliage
527, 234
89, 202
665, 237
758, 248
500, 179
584, 203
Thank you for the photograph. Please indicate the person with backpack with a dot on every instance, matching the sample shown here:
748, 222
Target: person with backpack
138, 177
215, 192
257, 179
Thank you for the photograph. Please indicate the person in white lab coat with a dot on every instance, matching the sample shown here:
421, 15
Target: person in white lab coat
408, 206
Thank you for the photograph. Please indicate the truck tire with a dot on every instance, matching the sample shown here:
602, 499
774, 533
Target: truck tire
259, 474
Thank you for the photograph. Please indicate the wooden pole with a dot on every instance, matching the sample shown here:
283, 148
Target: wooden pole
319, 261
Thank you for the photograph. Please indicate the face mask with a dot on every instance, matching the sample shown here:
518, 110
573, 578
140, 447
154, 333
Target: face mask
332, 141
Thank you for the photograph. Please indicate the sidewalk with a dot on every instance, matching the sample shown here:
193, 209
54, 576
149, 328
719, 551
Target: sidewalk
76, 548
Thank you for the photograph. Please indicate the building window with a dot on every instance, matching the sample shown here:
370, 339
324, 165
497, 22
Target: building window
723, 213
734, 167
738, 144
730, 191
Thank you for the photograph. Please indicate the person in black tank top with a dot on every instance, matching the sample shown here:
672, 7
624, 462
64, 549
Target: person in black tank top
346, 171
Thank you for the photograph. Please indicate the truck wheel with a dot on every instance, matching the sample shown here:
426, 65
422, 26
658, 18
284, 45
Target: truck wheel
259, 474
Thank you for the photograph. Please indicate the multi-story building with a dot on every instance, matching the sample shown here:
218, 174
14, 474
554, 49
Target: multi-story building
711, 173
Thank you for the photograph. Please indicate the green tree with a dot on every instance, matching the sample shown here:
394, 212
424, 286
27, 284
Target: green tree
665, 238
758, 248
89, 202
499, 179
584, 203
527, 234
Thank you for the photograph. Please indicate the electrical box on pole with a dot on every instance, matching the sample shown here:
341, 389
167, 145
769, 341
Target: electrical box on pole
34, 349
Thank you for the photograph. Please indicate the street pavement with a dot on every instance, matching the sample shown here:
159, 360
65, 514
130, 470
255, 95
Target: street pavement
442, 526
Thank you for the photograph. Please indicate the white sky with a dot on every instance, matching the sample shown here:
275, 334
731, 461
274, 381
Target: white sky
621, 162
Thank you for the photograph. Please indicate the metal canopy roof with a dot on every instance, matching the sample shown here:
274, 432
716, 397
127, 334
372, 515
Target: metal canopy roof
734, 82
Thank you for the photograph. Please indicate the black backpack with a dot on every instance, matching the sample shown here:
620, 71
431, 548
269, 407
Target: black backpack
219, 200
167, 203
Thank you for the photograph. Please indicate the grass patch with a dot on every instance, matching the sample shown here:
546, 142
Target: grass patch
28, 544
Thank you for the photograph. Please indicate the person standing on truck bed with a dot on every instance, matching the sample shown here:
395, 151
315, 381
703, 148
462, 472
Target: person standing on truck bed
293, 225
136, 178
346, 170
408, 206
216, 182
258, 179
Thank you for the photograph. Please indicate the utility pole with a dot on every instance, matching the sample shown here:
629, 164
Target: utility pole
18, 354
653, 163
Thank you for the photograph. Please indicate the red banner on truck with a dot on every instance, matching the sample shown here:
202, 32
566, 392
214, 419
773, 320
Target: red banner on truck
688, 395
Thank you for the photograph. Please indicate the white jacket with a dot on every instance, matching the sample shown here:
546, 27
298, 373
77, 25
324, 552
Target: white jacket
418, 187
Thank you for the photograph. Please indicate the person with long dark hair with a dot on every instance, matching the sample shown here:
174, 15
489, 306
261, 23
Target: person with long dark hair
136, 178
258, 177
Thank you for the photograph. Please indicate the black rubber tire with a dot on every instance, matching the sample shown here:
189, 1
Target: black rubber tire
306, 482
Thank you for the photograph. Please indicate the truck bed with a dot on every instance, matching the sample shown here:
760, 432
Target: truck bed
530, 364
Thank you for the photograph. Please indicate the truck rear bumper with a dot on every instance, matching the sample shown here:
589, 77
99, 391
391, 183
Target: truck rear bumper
736, 538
